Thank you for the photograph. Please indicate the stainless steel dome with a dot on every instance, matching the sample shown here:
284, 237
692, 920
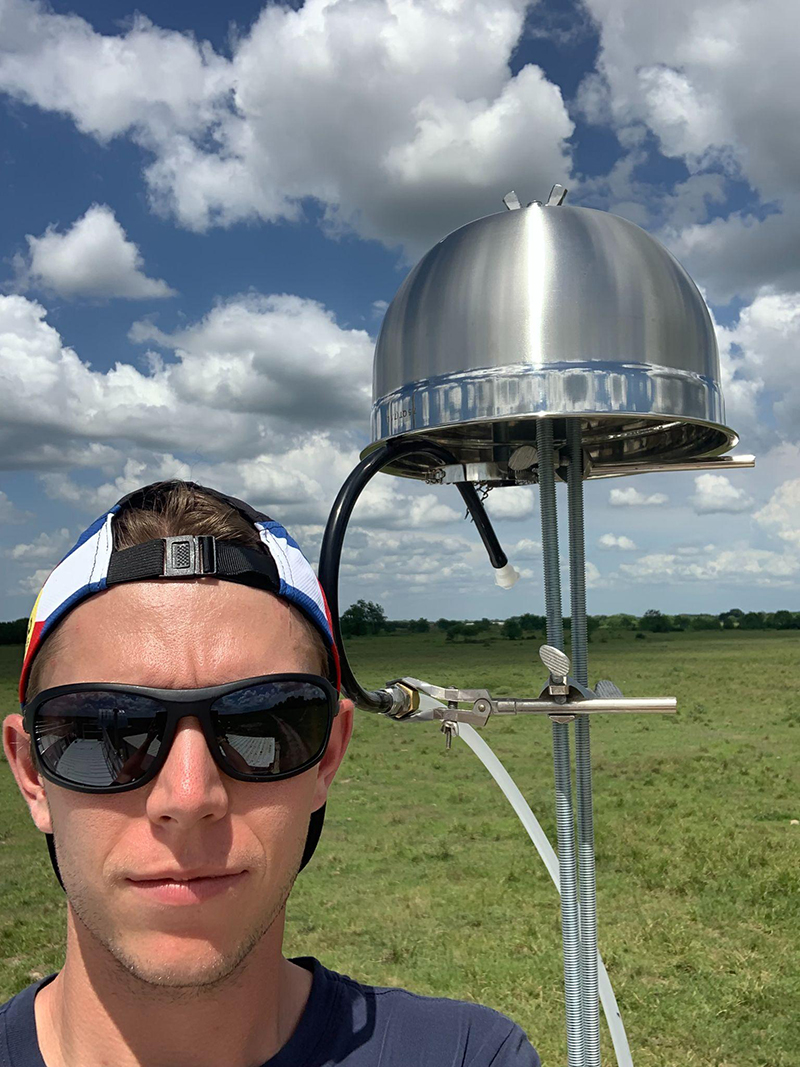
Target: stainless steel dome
550, 311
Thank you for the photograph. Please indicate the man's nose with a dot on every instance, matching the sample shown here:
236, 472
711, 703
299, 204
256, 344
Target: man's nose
189, 787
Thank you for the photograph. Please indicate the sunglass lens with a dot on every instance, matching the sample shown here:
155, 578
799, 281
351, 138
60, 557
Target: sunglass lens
273, 728
99, 739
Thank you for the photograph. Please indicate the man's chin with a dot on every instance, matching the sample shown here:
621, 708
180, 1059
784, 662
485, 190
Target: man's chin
177, 948
181, 963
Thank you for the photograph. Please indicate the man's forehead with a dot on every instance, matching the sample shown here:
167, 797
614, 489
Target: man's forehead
138, 605
179, 634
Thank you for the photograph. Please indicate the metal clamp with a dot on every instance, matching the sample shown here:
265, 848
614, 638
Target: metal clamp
562, 698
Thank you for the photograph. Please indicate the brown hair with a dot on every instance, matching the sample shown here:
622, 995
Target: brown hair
170, 509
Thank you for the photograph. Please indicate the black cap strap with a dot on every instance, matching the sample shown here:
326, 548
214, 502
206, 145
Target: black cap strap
190, 556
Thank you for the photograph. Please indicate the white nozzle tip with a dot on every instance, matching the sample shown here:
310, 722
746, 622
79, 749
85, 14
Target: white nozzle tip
506, 576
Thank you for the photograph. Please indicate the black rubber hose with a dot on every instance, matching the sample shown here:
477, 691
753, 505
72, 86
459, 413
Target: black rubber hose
333, 539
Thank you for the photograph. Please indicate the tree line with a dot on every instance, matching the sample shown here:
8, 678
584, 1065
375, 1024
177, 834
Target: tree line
366, 617
13, 633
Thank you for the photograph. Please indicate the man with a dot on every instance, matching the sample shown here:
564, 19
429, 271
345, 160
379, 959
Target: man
180, 730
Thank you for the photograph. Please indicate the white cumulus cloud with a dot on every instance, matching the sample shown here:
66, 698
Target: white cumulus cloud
32, 583
278, 355
512, 503
443, 128
619, 541
737, 566
698, 76
761, 350
93, 258
715, 493
525, 549
9, 512
260, 399
594, 579
146, 80
47, 547
743, 253
279, 364
633, 498
782, 512
716, 84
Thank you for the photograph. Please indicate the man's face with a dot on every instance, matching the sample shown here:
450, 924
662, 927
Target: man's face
192, 817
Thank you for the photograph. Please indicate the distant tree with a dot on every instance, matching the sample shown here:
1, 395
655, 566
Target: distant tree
511, 629
363, 617
419, 626
532, 622
621, 622
376, 616
654, 622
753, 620
13, 633
354, 621
443, 624
454, 630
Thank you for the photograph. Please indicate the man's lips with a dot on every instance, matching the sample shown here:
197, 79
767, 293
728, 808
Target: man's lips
184, 875
185, 887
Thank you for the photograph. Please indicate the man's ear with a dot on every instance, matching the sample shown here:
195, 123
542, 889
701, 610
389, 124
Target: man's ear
334, 754
17, 746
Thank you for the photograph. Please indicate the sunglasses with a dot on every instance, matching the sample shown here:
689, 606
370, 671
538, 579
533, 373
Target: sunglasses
95, 737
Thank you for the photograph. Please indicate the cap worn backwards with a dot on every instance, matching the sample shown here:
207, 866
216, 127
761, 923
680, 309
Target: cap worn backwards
93, 565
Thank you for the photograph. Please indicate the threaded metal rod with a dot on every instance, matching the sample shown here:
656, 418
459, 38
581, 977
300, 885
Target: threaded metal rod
549, 519
577, 555
565, 819
583, 754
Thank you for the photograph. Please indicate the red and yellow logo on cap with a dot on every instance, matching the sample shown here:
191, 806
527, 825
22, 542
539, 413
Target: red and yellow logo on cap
32, 621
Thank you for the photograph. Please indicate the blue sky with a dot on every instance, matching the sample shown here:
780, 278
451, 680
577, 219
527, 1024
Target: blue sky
206, 210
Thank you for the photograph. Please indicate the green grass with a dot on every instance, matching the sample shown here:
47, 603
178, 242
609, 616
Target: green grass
425, 879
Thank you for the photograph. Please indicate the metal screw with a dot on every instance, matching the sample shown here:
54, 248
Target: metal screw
449, 728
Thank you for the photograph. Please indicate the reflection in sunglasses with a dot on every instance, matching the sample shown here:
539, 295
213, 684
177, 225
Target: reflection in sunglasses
107, 738
248, 753
133, 767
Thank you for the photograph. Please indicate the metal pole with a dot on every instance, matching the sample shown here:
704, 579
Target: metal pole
583, 753
565, 820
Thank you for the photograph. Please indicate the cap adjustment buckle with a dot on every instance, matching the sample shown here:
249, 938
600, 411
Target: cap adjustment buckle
189, 556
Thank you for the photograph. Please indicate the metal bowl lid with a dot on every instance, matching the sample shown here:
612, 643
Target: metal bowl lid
556, 311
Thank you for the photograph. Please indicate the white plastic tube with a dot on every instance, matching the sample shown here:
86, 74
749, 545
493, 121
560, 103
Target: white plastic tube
506, 576
539, 838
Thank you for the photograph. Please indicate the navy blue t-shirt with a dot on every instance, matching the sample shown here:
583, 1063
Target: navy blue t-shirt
344, 1024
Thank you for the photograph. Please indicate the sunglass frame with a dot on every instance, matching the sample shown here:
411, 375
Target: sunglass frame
178, 704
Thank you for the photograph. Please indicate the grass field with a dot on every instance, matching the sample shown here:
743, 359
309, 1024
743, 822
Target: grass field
425, 879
